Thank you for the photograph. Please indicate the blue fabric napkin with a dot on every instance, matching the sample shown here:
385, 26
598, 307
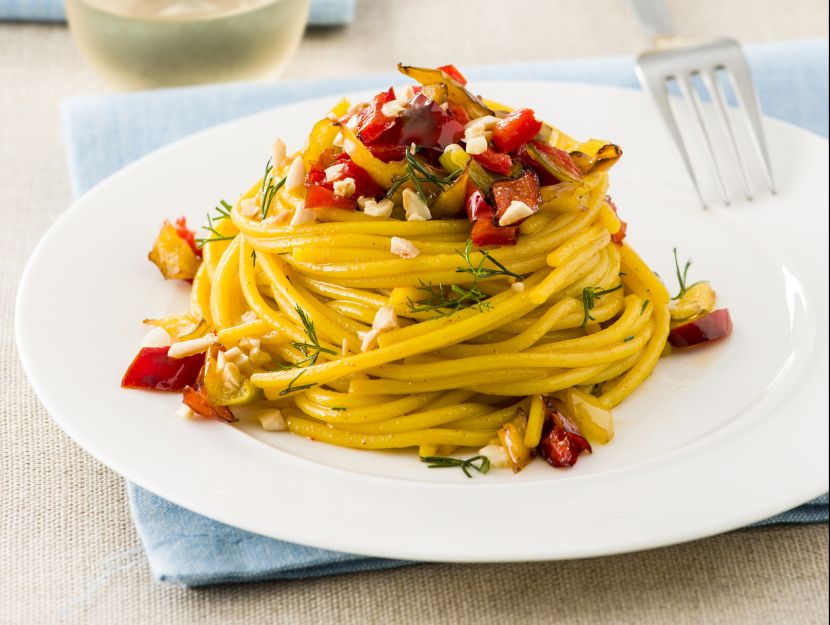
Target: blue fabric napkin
321, 13
104, 133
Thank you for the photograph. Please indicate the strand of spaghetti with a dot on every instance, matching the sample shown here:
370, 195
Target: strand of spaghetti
232, 335
432, 436
335, 291
547, 359
550, 285
535, 421
615, 370
519, 342
200, 295
469, 381
274, 318
377, 226
321, 373
332, 399
636, 269
212, 251
322, 255
458, 396
353, 310
224, 282
363, 414
489, 421
418, 420
328, 324
436, 323
542, 385
633, 318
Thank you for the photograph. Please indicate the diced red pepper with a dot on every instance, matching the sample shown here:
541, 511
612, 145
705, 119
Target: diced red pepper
459, 113
485, 232
495, 161
153, 369
427, 125
187, 235
371, 121
619, 235
519, 127
452, 71
387, 153
716, 325
199, 403
319, 196
562, 443
525, 189
476, 205
364, 184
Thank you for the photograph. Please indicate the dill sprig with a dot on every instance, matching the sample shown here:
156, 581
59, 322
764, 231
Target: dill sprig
455, 297
589, 296
444, 462
223, 211
682, 276
479, 271
292, 386
418, 174
310, 349
268, 189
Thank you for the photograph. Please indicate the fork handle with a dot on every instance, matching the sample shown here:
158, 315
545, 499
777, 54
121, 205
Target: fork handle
654, 19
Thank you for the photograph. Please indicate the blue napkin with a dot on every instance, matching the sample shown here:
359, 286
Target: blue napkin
321, 13
104, 133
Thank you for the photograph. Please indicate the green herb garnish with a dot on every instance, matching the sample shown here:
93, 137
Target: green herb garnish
455, 297
443, 462
645, 305
418, 174
223, 211
589, 296
682, 276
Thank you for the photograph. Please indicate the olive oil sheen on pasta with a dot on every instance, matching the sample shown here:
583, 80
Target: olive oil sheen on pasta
140, 44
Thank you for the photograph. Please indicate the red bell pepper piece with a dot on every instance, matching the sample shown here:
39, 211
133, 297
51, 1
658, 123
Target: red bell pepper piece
387, 153
153, 369
519, 127
562, 443
459, 113
197, 400
364, 184
371, 121
485, 232
452, 71
495, 161
427, 125
525, 189
319, 196
187, 235
619, 235
476, 205
716, 325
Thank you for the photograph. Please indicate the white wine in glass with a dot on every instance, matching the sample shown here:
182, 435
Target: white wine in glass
139, 44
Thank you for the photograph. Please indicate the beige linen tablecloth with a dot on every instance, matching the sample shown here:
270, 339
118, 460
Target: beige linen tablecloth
68, 551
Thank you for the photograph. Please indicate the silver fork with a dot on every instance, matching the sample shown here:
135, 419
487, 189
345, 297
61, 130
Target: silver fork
681, 61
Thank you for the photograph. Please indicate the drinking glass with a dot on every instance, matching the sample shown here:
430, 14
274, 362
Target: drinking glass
139, 44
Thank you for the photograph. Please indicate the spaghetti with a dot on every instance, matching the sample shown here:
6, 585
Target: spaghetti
387, 287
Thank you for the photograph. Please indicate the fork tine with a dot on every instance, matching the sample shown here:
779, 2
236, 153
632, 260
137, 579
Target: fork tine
747, 96
657, 88
715, 88
690, 94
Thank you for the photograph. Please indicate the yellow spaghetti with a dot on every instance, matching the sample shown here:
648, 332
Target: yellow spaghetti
413, 278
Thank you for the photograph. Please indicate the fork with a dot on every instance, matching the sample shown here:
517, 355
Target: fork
692, 65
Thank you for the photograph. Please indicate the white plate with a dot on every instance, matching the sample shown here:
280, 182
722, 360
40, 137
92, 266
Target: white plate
715, 439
